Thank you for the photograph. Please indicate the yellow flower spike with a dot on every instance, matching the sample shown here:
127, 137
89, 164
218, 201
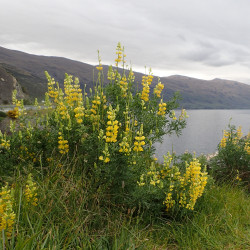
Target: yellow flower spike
112, 126
63, 145
7, 216
239, 133
223, 142
162, 108
247, 148
30, 192
139, 141
158, 89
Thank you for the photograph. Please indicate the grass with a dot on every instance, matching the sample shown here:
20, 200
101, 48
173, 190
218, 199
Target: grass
71, 215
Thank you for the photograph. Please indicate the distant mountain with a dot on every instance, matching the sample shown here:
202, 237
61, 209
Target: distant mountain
29, 69
214, 94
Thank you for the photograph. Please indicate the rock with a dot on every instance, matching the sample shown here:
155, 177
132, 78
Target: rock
9, 83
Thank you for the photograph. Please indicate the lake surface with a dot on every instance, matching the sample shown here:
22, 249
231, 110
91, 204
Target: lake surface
204, 131
6, 108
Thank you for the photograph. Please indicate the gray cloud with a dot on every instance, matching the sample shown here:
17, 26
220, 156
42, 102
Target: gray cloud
198, 38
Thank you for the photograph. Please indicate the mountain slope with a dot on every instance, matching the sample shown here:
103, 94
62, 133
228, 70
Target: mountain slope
216, 93
8, 83
29, 71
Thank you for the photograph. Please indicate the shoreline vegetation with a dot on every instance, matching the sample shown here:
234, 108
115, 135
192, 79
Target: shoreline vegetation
82, 173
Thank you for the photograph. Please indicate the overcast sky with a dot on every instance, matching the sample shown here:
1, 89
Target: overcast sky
199, 38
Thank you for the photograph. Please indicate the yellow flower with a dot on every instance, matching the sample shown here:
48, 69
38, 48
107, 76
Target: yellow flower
158, 89
223, 142
7, 216
63, 145
139, 141
30, 192
162, 108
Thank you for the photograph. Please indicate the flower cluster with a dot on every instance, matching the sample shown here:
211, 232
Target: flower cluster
112, 126
196, 181
63, 145
79, 114
110, 74
146, 82
124, 86
5, 143
52, 91
124, 146
106, 155
162, 108
158, 89
223, 141
230, 136
139, 141
7, 215
30, 192
239, 133
120, 55
180, 189
73, 91
95, 109
183, 115
247, 148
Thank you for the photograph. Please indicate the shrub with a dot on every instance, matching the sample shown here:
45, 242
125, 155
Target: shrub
108, 133
176, 182
233, 160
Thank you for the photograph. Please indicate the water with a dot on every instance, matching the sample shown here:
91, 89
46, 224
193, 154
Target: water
6, 108
204, 131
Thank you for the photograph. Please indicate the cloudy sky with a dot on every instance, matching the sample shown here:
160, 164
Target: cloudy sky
199, 38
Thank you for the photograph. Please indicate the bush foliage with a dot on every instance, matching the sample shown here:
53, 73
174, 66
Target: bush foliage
103, 139
233, 160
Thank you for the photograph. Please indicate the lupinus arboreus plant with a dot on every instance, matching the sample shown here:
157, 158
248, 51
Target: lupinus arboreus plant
233, 160
178, 187
109, 132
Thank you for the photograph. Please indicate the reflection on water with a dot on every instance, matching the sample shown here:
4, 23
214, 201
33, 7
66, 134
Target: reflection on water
204, 131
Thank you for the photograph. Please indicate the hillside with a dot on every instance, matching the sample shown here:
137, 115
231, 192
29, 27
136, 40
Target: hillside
8, 83
29, 69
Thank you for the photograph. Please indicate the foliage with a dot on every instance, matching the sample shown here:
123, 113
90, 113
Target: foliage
112, 131
2, 114
233, 160
93, 154
70, 215
11, 199
178, 186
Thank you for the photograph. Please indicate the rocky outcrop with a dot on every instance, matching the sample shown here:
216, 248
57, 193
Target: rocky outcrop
8, 83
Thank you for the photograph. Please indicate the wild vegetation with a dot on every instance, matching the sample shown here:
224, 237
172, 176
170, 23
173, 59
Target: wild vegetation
81, 173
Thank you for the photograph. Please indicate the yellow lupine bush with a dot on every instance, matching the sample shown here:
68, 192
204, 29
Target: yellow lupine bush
181, 188
233, 159
111, 130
